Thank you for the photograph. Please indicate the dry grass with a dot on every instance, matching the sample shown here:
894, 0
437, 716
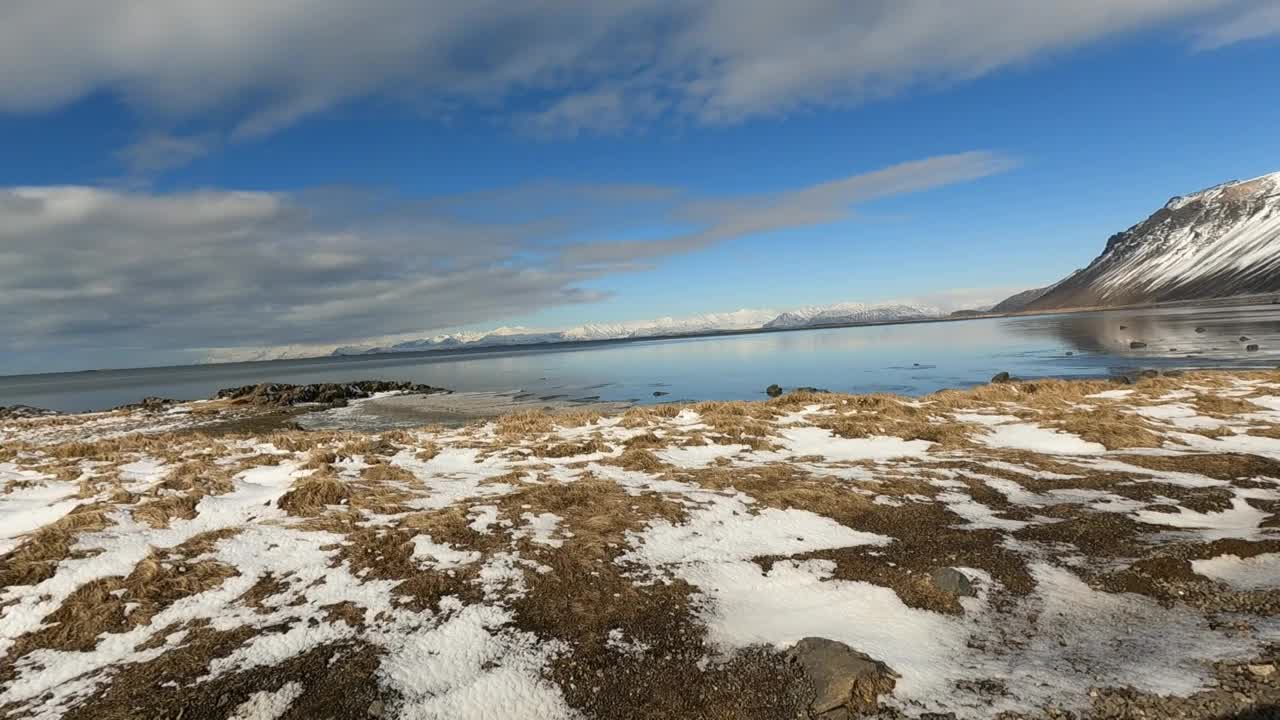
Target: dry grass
99, 606
382, 473
908, 426
801, 398
594, 444
159, 513
312, 495
639, 459
1223, 407
1113, 429
646, 415
298, 441
203, 477
524, 424
36, 559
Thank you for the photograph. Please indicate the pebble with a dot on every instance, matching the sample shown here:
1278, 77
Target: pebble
376, 708
1265, 670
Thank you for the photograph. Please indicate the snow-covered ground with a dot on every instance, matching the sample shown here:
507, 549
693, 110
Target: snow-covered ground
1111, 544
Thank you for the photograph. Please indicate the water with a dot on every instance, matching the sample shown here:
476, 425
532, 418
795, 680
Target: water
910, 359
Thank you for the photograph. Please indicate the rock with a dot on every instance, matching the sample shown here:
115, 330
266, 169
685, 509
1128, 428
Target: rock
1124, 327
1244, 338
1264, 670
1149, 374
149, 404
1251, 348
660, 393
1136, 344
284, 394
20, 412
774, 390
1199, 329
809, 389
1002, 377
376, 709
842, 677
950, 580
1069, 353
1173, 349
1174, 373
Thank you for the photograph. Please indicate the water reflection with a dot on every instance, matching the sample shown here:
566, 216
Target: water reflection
1162, 335
914, 358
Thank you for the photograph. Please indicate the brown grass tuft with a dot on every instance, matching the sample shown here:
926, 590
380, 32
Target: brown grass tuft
311, 495
571, 449
646, 415
1113, 429
524, 424
159, 513
640, 460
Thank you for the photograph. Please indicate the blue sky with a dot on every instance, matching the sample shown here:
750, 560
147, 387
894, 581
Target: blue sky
183, 178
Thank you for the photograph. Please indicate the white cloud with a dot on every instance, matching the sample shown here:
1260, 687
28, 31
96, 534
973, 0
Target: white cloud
99, 269
823, 203
1253, 24
157, 152
558, 65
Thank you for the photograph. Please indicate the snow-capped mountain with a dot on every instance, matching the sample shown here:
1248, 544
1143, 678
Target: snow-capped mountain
1214, 243
745, 319
845, 313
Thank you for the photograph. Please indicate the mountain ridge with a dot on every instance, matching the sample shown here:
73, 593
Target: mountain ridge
1217, 242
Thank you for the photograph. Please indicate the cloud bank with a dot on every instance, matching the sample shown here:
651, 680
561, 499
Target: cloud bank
558, 66
100, 269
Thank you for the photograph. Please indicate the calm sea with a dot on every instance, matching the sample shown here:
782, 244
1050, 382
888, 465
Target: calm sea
910, 359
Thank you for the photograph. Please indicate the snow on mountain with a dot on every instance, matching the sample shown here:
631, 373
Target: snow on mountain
845, 313
1214, 243
746, 319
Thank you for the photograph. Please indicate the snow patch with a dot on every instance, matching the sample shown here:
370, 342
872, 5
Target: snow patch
1260, 572
1028, 436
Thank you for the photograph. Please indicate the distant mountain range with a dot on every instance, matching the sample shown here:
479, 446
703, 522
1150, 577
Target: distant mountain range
1218, 242
840, 314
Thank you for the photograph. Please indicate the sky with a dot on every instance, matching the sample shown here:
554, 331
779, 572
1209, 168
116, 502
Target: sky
185, 179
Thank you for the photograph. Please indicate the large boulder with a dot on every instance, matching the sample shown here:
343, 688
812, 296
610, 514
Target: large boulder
951, 580
846, 683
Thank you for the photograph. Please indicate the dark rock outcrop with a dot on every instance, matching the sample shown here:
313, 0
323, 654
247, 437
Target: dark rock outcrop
20, 412
284, 394
149, 404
